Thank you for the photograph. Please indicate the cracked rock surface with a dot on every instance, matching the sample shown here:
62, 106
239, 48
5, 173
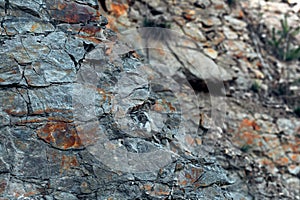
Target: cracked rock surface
86, 114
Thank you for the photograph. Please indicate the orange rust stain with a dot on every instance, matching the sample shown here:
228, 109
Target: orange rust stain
87, 136
31, 193
172, 108
73, 13
61, 119
162, 192
161, 52
106, 95
183, 182
108, 50
67, 162
219, 7
92, 39
259, 64
187, 175
16, 113
49, 110
3, 187
158, 107
119, 9
60, 134
91, 30
29, 121
147, 187
249, 123
190, 140
241, 14
239, 54
198, 141
61, 6
112, 24
33, 27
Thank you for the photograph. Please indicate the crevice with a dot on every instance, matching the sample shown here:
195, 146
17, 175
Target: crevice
73, 59
88, 47
6, 6
103, 5
28, 11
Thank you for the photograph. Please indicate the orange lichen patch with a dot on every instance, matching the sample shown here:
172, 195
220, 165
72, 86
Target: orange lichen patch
118, 9
248, 123
265, 161
1, 80
249, 137
60, 134
283, 161
295, 157
67, 162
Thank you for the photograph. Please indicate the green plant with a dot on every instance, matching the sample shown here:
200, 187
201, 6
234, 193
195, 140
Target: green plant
281, 41
297, 111
255, 87
245, 148
156, 23
231, 3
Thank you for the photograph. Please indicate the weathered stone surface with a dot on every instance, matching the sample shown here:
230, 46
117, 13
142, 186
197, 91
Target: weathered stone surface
22, 25
89, 115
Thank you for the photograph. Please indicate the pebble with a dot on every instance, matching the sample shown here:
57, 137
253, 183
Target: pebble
211, 53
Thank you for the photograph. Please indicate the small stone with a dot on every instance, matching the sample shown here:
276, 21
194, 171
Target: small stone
189, 15
294, 169
229, 34
236, 24
211, 53
258, 74
194, 32
211, 21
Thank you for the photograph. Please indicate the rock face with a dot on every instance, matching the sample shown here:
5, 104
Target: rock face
89, 114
